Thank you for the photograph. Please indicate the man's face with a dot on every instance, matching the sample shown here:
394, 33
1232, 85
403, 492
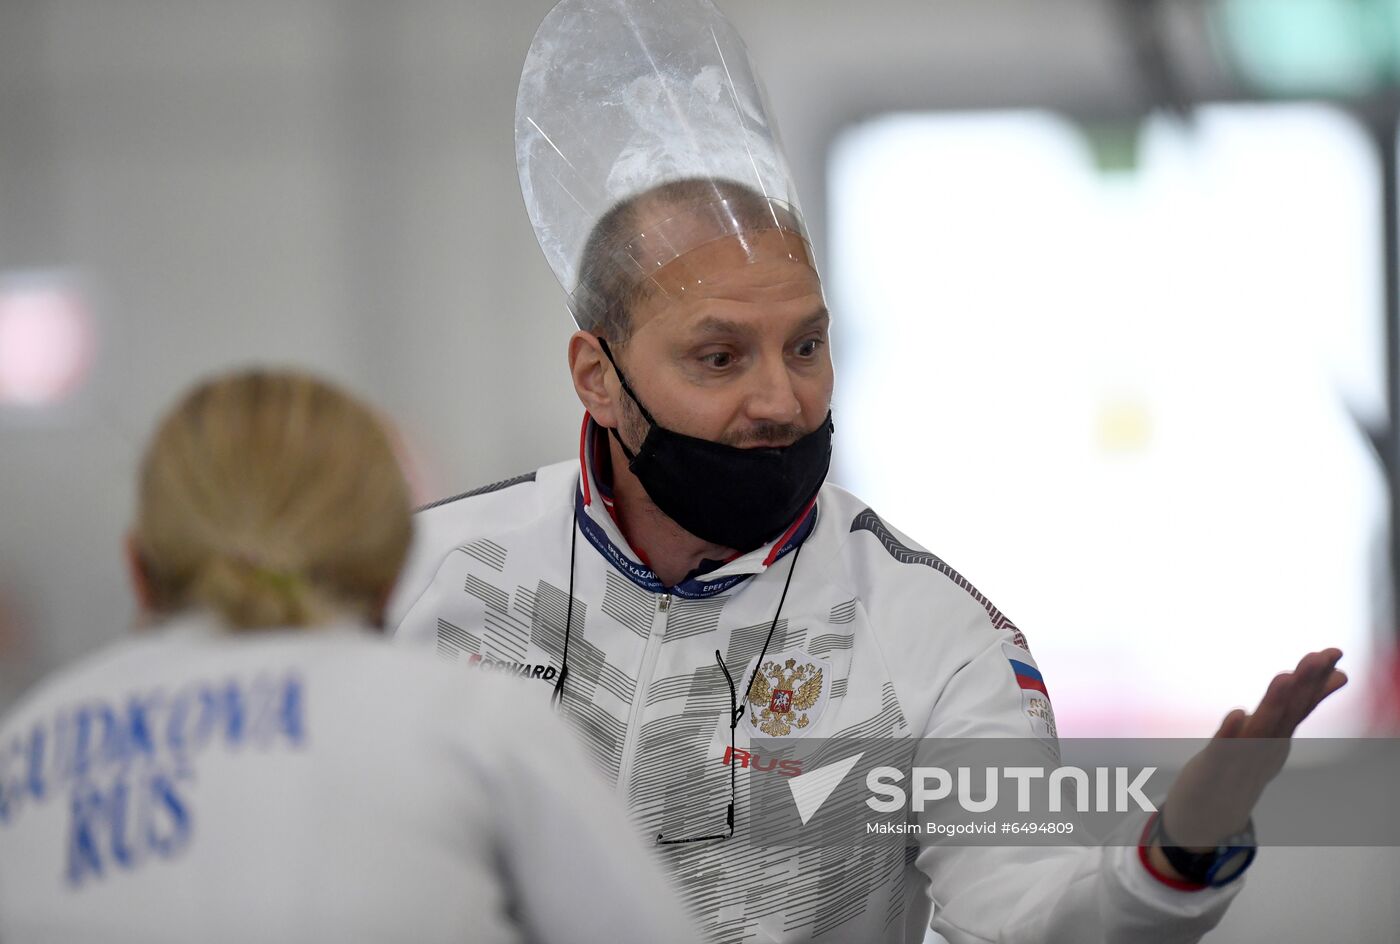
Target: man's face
731, 345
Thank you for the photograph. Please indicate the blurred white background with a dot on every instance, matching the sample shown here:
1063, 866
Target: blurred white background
1106, 367
1128, 397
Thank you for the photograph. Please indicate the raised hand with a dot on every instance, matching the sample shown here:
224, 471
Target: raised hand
1217, 789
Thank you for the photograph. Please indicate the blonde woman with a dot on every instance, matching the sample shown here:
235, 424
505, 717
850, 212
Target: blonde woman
259, 765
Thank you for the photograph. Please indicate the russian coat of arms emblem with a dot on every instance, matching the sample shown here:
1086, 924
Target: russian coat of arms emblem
787, 695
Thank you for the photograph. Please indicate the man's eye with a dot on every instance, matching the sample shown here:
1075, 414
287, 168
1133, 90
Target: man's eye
809, 347
719, 359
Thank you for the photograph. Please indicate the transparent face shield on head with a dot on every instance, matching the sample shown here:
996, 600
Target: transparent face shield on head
642, 134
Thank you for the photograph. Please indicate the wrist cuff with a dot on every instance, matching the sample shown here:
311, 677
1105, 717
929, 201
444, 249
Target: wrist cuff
1144, 844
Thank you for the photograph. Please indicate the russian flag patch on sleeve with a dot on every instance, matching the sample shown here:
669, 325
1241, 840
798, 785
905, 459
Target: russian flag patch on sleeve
1029, 677
1035, 700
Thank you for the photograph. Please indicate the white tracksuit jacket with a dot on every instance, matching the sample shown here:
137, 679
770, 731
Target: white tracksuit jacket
194, 785
907, 648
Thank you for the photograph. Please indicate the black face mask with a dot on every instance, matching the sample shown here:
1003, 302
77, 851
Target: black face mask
733, 497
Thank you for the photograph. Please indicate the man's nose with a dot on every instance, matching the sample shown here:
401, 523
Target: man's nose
773, 394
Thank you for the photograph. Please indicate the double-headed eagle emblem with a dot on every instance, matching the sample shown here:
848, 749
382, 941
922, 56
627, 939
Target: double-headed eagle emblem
782, 695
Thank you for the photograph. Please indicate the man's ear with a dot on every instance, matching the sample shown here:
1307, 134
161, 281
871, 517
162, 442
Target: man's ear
590, 369
138, 576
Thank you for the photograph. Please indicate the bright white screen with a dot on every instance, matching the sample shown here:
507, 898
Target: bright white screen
1121, 404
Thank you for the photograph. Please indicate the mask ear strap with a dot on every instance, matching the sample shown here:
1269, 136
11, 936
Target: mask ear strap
627, 388
631, 456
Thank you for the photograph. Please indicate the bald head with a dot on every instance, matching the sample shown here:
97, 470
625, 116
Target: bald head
645, 232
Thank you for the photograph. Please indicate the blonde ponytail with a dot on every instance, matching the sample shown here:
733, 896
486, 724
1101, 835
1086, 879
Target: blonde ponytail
248, 594
272, 499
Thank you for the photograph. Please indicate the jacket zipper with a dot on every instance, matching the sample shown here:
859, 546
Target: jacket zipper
634, 719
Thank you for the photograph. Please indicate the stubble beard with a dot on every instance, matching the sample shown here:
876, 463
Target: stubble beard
634, 429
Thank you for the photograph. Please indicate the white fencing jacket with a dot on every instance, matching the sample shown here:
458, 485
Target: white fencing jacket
191, 784
905, 648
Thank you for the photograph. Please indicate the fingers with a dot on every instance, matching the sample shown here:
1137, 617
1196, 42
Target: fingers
1292, 696
1319, 662
1316, 679
1233, 724
1269, 718
1320, 655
